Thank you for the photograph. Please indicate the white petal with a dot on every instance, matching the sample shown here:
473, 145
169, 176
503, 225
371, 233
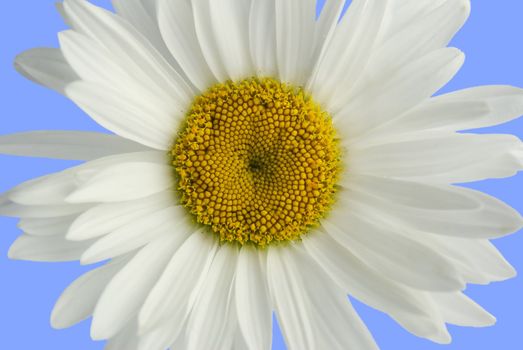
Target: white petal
413, 194
96, 64
478, 261
401, 259
123, 182
47, 190
404, 12
127, 339
288, 297
142, 14
133, 51
161, 337
505, 103
466, 109
230, 25
77, 302
295, 23
213, 305
325, 29
430, 117
137, 233
335, 325
177, 27
171, 295
458, 309
430, 31
410, 308
47, 67
492, 219
71, 145
252, 300
348, 52
446, 158
135, 119
384, 97
326, 26
206, 38
262, 37
108, 217
47, 249
47, 227
41, 211
239, 343
230, 334
126, 292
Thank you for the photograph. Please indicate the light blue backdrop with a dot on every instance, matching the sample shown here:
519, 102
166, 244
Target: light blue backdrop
492, 40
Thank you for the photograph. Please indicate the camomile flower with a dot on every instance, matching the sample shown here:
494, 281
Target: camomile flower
266, 160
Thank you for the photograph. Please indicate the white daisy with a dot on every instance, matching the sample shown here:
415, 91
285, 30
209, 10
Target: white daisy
264, 160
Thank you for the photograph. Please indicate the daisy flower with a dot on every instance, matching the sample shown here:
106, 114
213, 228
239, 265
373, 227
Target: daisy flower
261, 160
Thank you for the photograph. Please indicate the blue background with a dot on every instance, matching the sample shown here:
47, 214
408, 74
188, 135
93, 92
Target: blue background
492, 40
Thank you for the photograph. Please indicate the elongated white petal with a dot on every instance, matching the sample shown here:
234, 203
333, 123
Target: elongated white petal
413, 194
11, 209
213, 305
347, 54
134, 119
177, 27
123, 182
323, 306
465, 109
47, 67
434, 159
458, 309
77, 302
47, 227
401, 259
170, 296
294, 31
137, 233
385, 97
410, 308
142, 14
230, 334
71, 145
126, 292
130, 48
429, 118
427, 32
288, 299
505, 103
337, 325
478, 261
97, 64
50, 189
47, 249
161, 337
326, 26
230, 25
105, 218
127, 339
205, 37
402, 13
262, 37
492, 219
252, 300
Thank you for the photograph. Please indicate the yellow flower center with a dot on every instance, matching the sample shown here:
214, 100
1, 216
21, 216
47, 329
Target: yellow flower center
257, 161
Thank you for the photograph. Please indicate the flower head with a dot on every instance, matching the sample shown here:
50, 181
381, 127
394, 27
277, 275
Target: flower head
261, 160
